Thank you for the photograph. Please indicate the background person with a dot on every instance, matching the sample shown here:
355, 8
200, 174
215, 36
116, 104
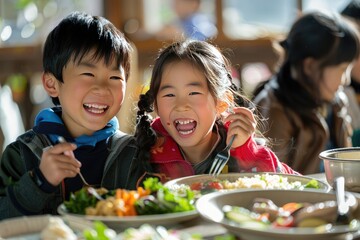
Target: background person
352, 12
303, 104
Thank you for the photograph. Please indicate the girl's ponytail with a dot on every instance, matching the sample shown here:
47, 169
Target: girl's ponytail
145, 135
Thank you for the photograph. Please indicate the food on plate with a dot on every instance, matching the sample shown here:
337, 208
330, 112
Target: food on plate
147, 231
57, 229
154, 198
99, 232
257, 181
265, 214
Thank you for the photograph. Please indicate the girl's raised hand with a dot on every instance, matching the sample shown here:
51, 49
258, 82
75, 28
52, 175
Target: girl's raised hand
58, 162
242, 123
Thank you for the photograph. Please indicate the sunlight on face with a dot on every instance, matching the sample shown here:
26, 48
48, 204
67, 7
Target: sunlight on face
91, 95
333, 78
185, 105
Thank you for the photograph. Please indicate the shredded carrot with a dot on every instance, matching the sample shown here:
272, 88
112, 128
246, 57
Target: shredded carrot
127, 200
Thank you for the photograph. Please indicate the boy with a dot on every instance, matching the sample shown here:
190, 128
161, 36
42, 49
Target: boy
86, 63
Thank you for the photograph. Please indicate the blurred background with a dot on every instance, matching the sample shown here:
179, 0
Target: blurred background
244, 29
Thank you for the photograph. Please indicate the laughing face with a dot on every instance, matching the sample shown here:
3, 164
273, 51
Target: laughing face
91, 95
185, 105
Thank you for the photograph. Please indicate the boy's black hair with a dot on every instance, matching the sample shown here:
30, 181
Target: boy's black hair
78, 34
352, 10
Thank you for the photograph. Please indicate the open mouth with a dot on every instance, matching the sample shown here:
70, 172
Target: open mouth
185, 127
95, 108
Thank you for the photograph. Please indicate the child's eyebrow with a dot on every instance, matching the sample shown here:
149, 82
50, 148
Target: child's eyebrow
87, 64
191, 84
94, 65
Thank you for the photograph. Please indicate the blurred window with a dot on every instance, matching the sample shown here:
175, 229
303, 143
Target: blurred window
27, 22
159, 13
251, 19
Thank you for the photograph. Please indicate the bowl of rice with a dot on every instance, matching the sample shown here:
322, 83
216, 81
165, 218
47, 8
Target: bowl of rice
205, 183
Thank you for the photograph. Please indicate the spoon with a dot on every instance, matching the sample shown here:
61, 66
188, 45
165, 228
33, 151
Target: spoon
342, 217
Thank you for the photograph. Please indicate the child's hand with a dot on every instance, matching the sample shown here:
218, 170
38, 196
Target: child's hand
242, 123
59, 162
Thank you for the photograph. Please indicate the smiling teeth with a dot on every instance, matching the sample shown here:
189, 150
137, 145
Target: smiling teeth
184, 122
186, 132
95, 106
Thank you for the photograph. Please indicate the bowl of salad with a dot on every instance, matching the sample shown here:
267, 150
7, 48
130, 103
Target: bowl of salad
120, 208
280, 214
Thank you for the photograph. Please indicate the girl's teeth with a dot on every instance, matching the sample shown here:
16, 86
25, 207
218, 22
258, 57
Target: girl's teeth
184, 122
186, 132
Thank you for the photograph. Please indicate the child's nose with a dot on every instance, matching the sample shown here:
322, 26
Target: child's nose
101, 88
182, 104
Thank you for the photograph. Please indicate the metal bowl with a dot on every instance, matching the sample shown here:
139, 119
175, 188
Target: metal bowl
343, 162
210, 207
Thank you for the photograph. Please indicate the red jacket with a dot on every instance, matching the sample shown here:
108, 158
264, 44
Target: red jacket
250, 157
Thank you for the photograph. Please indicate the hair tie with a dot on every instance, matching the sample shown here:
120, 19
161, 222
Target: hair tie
284, 44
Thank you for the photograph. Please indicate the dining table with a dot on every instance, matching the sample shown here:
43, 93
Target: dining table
200, 226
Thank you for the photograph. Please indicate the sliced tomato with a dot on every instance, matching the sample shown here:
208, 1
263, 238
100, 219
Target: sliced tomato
284, 222
214, 185
197, 186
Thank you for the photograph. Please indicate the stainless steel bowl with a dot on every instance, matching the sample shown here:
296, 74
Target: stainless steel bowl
343, 162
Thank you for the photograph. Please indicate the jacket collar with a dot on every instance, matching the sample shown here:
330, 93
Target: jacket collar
49, 122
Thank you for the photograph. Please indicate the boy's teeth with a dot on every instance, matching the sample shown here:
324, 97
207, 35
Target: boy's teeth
95, 106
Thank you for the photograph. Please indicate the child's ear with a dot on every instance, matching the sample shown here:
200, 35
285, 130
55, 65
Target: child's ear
50, 84
311, 67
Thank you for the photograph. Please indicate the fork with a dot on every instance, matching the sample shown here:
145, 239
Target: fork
221, 159
62, 140
89, 187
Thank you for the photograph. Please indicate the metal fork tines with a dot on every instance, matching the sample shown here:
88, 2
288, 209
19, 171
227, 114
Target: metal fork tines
221, 159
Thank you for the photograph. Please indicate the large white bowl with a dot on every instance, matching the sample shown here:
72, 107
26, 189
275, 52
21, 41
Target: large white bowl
343, 162
210, 207
232, 177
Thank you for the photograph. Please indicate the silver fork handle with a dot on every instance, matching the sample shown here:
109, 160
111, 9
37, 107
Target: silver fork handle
231, 142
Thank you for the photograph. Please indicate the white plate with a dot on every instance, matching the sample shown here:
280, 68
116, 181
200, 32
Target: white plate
23, 227
210, 207
120, 223
232, 177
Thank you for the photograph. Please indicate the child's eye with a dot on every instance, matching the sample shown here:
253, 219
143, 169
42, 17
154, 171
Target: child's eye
116, 78
88, 74
194, 93
169, 95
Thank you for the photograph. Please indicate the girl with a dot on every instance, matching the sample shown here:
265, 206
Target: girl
191, 90
304, 102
